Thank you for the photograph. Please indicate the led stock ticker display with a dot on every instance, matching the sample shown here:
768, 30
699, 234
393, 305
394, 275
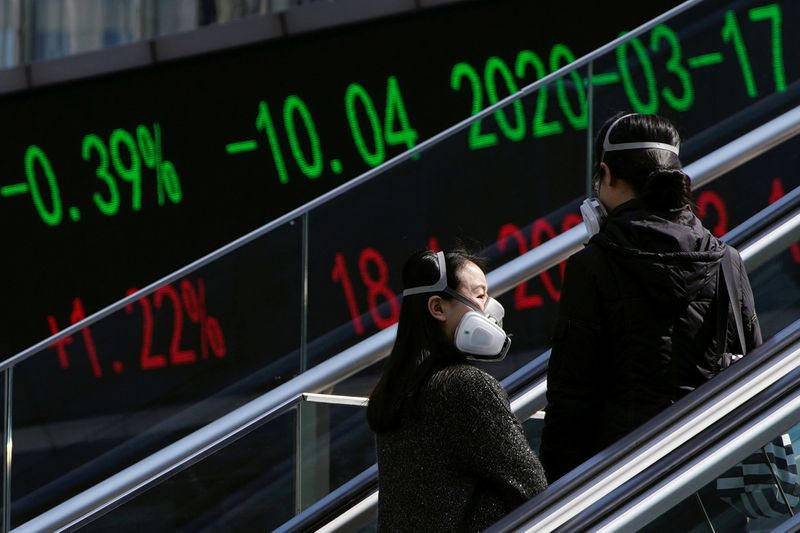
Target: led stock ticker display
677, 93
186, 172
387, 129
291, 135
122, 157
186, 302
372, 130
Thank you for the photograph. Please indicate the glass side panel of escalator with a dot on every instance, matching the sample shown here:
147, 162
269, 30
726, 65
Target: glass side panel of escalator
260, 481
720, 504
247, 486
172, 362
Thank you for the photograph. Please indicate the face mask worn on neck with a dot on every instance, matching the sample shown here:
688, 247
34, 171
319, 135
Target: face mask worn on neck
592, 211
479, 334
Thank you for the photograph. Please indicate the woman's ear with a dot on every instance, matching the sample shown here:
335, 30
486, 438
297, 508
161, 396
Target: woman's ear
605, 173
436, 309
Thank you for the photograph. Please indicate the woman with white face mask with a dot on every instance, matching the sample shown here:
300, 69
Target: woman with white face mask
451, 454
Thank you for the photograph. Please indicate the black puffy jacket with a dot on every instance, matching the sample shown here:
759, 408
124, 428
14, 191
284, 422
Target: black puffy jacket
636, 330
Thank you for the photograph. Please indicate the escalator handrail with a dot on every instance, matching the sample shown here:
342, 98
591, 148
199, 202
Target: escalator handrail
360, 486
734, 425
532, 376
728, 452
602, 468
369, 351
345, 187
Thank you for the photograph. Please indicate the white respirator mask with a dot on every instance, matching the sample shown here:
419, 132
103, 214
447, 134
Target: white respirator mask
592, 211
594, 214
479, 334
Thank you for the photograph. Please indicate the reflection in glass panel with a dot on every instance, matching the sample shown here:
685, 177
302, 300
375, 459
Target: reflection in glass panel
744, 498
9, 30
218, 12
123, 388
776, 286
370, 528
63, 28
246, 486
173, 16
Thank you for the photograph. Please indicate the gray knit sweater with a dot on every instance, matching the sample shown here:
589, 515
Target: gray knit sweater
460, 467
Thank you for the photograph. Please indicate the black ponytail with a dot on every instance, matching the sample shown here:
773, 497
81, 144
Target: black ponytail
666, 188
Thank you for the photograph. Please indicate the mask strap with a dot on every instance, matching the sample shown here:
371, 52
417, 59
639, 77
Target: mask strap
439, 286
608, 146
464, 300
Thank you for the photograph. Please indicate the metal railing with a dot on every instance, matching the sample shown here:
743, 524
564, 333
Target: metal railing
204, 441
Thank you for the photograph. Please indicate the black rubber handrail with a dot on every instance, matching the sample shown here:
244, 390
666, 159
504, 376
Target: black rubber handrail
599, 464
787, 387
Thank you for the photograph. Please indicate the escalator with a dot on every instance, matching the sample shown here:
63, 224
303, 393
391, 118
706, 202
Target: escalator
356, 505
59, 454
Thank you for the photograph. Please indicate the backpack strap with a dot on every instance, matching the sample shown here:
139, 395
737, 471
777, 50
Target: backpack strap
730, 296
721, 295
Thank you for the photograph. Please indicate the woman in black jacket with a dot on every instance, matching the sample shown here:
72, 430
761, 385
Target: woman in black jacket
636, 327
451, 454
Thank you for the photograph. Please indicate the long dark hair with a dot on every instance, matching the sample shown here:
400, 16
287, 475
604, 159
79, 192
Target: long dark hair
656, 175
420, 347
